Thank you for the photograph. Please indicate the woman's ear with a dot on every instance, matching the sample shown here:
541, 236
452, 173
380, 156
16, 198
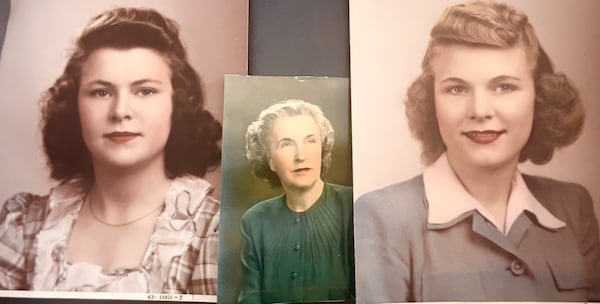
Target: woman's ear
271, 166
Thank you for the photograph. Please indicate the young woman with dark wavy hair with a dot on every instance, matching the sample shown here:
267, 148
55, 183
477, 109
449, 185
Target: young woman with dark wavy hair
126, 134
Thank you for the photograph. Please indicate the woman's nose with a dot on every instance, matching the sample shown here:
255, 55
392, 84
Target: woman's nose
121, 109
300, 153
481, 106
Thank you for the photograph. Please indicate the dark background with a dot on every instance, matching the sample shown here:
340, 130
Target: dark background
299, 37
4, 12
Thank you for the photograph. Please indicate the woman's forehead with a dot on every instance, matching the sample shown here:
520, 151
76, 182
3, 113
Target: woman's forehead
295, 126
462, 60
134, 63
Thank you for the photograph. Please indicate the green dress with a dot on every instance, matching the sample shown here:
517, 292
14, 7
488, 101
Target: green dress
292, 256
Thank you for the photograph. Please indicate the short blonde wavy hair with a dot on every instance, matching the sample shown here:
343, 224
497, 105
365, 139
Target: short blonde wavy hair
257, 136
559, 114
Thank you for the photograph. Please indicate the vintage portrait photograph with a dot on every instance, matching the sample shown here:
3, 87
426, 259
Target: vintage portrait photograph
286, 213
112, 119
475, 150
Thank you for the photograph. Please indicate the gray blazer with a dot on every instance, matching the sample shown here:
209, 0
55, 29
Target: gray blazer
400, 257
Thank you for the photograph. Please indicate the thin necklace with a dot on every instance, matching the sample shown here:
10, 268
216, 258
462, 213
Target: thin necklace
123, 224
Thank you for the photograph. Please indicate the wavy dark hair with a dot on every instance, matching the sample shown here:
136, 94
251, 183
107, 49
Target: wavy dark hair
258, 132
558, 115
193, 143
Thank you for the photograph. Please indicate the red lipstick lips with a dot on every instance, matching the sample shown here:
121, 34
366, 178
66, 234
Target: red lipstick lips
121, 137
301, 170
483, 137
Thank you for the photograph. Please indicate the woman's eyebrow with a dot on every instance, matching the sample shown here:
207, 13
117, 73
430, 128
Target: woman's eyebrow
504, 78
146, 80
99, 82
284, 139
110, 84
453, 80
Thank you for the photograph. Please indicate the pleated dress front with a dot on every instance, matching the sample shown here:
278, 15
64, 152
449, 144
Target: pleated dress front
292, 256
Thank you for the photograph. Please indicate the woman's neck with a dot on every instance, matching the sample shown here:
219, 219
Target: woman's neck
301, 199
491, 186
120, 193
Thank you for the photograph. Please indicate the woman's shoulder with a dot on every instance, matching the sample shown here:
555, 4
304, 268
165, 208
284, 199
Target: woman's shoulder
406, 193
65, 191
344, 192
553, 190
24, 207
560, 197
402, 202
196, 186
269, 206
36, 207
189, 200
541, 183
23, 200
22, 216
192, 193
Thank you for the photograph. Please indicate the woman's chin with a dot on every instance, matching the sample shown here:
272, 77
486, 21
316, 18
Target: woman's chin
123, 163
487, 161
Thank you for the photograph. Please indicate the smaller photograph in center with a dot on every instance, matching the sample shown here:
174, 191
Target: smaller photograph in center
286, 213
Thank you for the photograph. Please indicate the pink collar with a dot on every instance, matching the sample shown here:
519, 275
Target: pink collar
448, 199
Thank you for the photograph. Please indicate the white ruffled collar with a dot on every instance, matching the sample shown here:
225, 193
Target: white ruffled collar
173, 233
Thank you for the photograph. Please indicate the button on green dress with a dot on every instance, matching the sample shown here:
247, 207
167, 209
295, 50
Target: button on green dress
292, 256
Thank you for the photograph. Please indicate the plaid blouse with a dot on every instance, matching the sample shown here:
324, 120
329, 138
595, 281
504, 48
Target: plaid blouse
181, 256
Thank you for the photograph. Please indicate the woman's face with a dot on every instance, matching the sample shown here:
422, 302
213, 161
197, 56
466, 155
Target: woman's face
295, 151
484, 103
125, 107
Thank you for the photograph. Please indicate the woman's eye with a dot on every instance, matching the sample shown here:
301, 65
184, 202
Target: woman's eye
312, 140
100, 93
505, 88
456, 90
285, 144
146, 92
